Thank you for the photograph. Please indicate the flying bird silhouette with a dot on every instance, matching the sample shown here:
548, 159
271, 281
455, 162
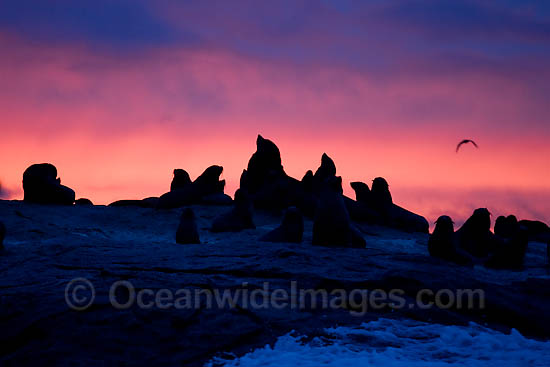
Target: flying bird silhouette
465, 141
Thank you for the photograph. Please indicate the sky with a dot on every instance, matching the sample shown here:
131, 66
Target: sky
118, 93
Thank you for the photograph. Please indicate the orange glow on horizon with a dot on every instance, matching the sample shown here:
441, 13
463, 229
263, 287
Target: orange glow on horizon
117, 127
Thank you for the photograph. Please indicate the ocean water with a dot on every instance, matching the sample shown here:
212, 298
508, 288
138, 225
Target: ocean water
387, 342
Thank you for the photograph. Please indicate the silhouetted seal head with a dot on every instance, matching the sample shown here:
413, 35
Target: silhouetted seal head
506, 227
2, 234
41, 185
440, 243
238, 218
380, 192
509, 250
211, 175
264, 165
326, 169
187, 232
209, 181
308, 181
475, 236
332, 225
290, 230
362, 192
267, 153
480, 221
444, 226
180, 180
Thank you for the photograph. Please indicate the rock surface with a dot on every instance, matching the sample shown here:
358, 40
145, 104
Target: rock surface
48, 246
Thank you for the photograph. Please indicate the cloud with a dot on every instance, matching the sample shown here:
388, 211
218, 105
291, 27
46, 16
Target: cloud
130, 90
117, 24
472, 20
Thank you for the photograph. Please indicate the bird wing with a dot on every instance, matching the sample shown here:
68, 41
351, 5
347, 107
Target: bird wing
460, 144
465, 141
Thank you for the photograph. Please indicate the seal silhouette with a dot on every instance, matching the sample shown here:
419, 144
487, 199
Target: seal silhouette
238, 218
208, 183
380, 194
537, 231
290, 230
187, 232
500, 226
381, 208
42, 186
362, 192
308, 181
361, 209
475, 236
326, 169
180, 180
510, 245
441, 243
506, 227
264, 165
332, 224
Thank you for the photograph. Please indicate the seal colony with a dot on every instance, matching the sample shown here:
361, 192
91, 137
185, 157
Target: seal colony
265, 185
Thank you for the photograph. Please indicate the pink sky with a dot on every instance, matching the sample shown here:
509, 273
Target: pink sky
116, 125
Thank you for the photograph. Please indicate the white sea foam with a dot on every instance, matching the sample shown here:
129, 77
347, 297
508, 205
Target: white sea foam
387, 342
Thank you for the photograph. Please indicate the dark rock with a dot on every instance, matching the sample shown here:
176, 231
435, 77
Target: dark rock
150, 202
83, 202
144, 203
187, 232
290, 230
217, 199
357, 239
2, 234
41, 186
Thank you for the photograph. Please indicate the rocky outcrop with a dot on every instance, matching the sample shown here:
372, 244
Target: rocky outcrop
109, 244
